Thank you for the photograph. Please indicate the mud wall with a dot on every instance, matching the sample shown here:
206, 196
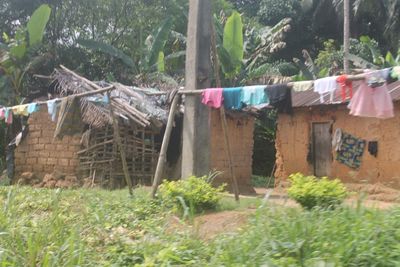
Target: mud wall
293, 137
40, 153
240, 132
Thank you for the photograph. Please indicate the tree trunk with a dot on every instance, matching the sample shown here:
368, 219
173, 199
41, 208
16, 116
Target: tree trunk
346, 35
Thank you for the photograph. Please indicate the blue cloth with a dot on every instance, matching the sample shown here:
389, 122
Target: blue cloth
351, 151
254, 95
233, 98
52, 108
33, 107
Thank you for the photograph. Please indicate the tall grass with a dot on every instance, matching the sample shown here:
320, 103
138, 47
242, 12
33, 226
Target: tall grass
40, 227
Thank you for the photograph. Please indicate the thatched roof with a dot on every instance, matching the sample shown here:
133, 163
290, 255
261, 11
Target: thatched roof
130, 103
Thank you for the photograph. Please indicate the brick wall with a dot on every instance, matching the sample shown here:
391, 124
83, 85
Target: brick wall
40, 153
240, 132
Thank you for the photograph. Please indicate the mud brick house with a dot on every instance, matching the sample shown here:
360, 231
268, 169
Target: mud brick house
91, 152
304, 141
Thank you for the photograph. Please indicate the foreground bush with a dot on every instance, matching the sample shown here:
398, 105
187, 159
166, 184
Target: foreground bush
311, 192
195, 193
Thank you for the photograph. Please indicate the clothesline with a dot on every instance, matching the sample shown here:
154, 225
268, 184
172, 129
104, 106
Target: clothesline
106, 89
357, 77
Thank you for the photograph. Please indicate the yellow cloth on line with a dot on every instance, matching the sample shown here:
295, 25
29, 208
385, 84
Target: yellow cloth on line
302, 86
20, 110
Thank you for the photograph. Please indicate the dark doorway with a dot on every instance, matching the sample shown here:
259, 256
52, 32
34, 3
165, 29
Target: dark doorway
322, 144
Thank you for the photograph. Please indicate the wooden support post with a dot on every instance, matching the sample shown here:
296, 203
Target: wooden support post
164, 146
119, 143
228, 153
222, 113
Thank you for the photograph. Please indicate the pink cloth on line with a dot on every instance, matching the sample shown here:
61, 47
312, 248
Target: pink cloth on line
372, 102
2, 113
212, 97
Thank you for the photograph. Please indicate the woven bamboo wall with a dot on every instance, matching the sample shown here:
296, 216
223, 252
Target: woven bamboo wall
101, 160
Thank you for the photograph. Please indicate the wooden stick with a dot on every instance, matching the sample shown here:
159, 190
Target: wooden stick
222, 113
121, 149
162, 158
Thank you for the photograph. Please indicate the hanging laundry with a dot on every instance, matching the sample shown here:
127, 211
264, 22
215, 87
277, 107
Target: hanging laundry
21, 110
33, 107
337, 139
280, 97
2, 113
325, 86
373, 148
254, 95
212, 97
351, 151
8, 116
345, 84
302, 86
69, 117
52, 107
377, 78
232, 98
395, 73
371, 102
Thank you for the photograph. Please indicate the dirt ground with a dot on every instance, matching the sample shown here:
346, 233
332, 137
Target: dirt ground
372, 196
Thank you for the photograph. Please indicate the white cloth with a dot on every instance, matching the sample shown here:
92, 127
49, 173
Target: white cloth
325, 86
302, 86
337, 139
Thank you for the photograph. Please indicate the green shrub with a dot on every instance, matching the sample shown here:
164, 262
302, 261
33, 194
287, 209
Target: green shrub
195, 193
311, 192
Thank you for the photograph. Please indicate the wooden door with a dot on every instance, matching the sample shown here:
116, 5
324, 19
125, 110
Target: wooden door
322, 144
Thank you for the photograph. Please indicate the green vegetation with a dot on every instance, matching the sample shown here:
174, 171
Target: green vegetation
40, 227
194, 194
311, 192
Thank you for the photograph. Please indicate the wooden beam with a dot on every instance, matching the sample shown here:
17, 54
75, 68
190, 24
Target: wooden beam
162, 158
120, 147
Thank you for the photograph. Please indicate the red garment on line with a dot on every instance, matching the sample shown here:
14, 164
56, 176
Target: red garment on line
344, 84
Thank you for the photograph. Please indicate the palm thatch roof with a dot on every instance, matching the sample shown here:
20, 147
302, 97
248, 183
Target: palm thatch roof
129, 103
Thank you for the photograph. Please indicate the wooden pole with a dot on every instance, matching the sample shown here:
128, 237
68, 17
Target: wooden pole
346, 35
222, 113
162, 158
120, 147
196, 129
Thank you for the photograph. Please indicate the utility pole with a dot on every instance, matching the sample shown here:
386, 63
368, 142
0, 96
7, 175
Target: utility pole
196, 128
346, 35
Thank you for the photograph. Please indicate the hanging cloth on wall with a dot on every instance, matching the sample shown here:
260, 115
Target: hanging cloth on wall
373, 148
8, 116
232, 98
33, 107
372, 102
52, 108
212, 97
280, 97
302, 86
345, 85
20, 110
69, 117
351, 151
325, 86
254, 95
337, 139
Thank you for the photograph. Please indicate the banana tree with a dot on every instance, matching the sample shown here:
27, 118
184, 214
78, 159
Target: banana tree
17, 54
244, 57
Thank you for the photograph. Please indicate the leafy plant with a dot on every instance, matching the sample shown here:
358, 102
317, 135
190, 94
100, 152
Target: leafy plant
310, 192
196, 193
17, 55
